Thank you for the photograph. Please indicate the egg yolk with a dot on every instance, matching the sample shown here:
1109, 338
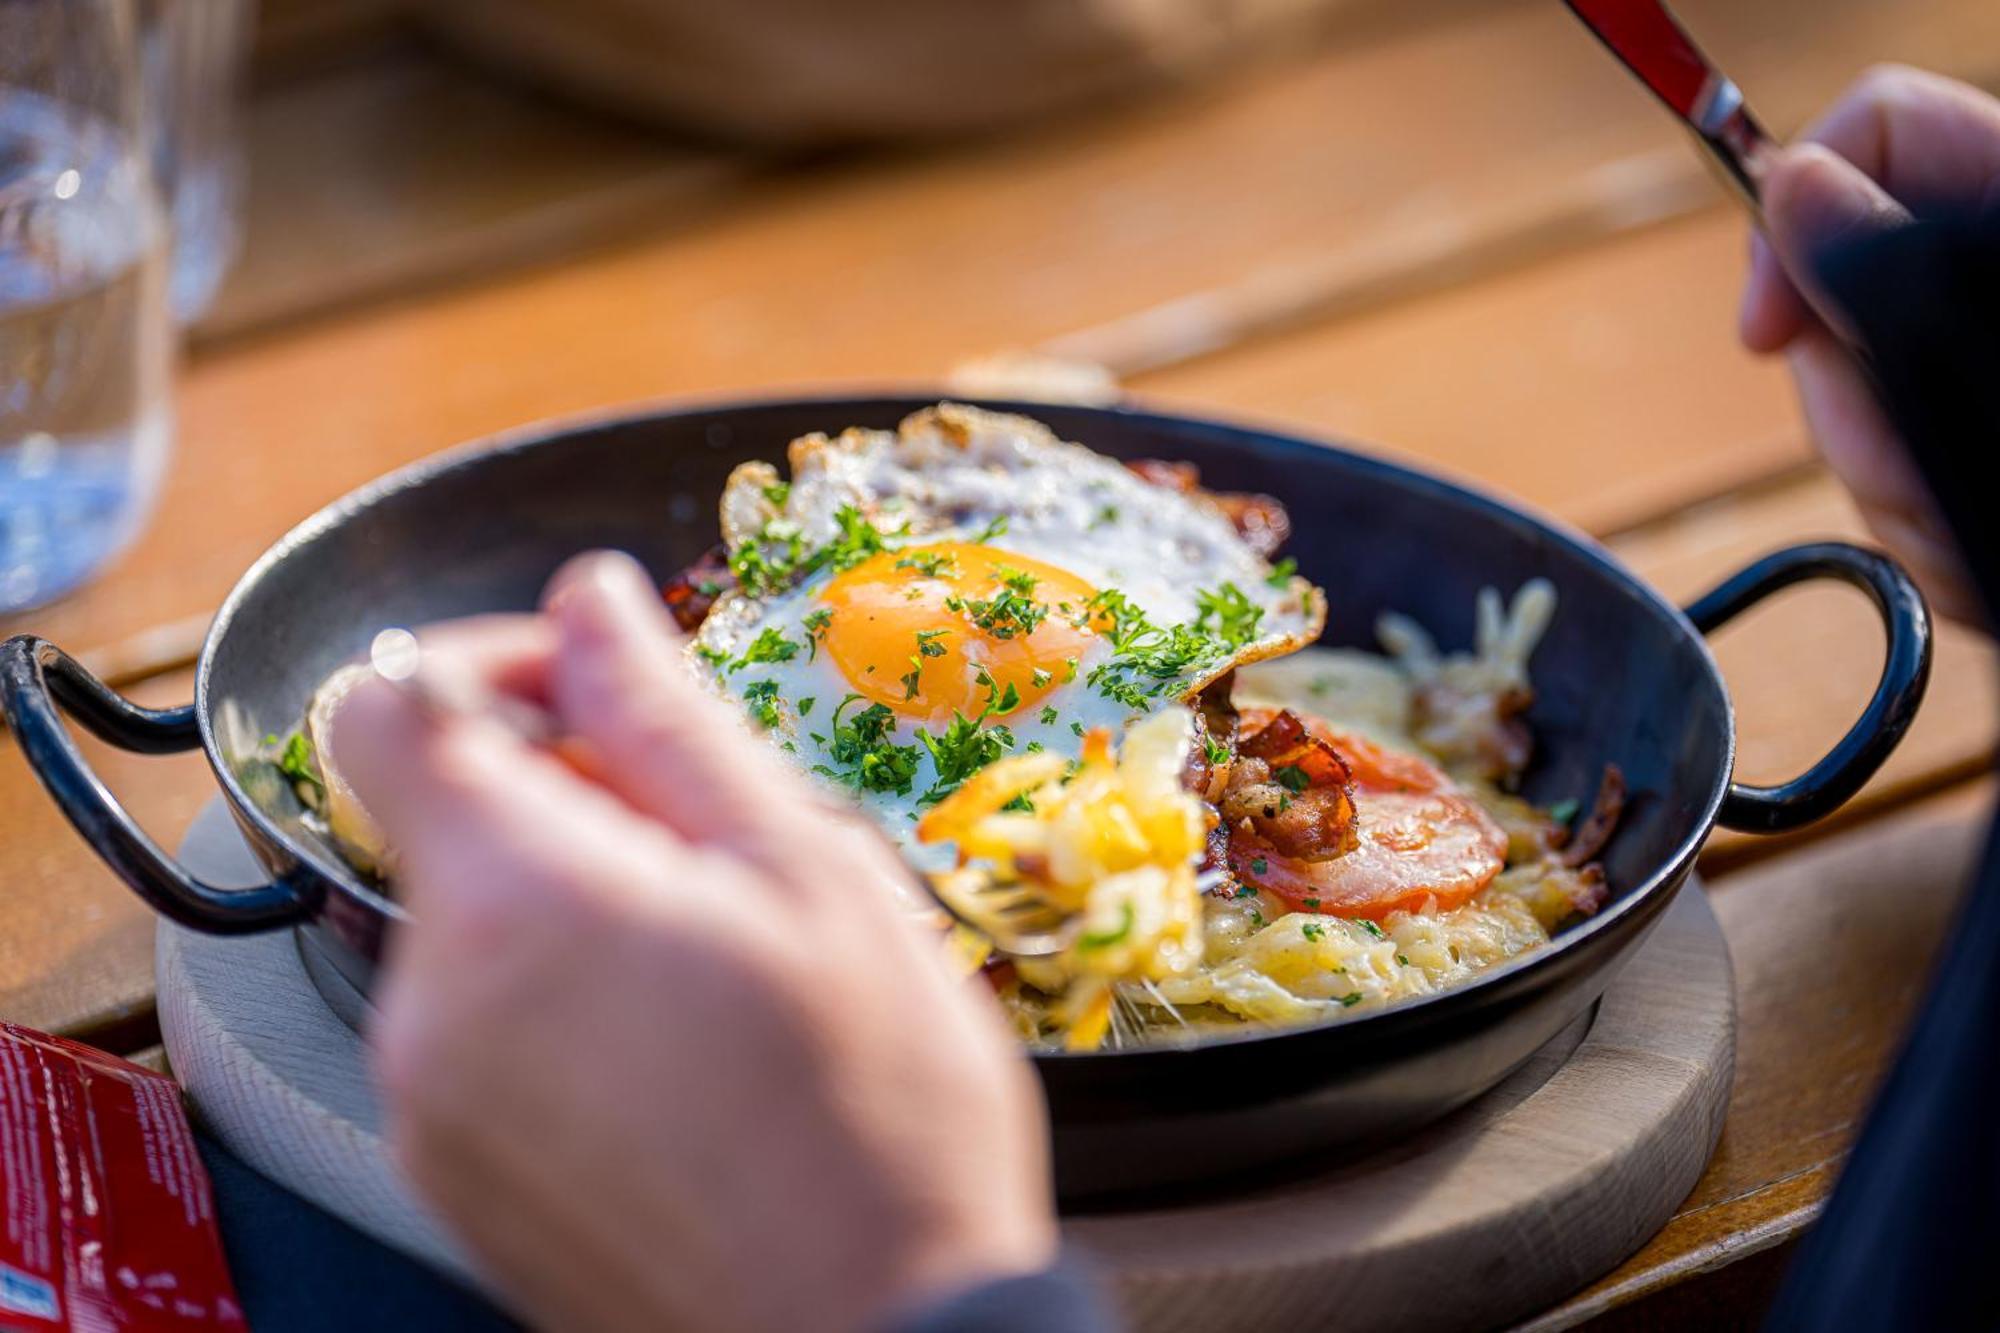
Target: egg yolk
922, 630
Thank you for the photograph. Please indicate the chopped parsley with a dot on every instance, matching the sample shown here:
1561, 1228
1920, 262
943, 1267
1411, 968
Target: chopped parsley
1564, 811
1015, 580
1281, 573
1236, 617
995, 527
1040, 678
999, 702
712, 655
1105, 514
778, 492
927, 646
761, 698
1021, 803
961, 750
1006, 614
1401, 959
1076, 729
297, 761
1350, 999
806, 706
1049, 714
865, 755
769, 646
1104, 939
1260, 866
1371, 928
1069, 670
1292, 778
1311, 904
777, 557
1313, 931
816, 623
1217, 752
930, 564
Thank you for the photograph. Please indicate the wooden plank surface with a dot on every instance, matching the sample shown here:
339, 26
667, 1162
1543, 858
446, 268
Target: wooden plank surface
1812, 1046
900, 266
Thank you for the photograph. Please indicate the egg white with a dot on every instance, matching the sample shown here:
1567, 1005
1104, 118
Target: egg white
947, 474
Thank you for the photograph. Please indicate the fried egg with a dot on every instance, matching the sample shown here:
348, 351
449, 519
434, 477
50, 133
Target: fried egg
913, 605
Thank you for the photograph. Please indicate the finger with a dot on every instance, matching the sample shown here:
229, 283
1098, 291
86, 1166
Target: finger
1814, 202
1772, 312
469, 808
1853, 433
1927, 139
663, 744
510, 654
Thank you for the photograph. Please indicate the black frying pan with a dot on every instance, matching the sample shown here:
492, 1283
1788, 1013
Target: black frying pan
1621, 677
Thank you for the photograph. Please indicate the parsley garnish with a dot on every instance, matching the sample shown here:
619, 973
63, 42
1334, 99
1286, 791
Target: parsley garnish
778, 492
867, 758
995, 527
963, 749
1105, 514
1236, 617
1015, 580
1313, 931
1350, 999
710, 654
761, 697
930, 564
1040, 678
297, 761
1217, 752
806, 706
1049, 714
1007, 614
927, 646
1281, 573
777, 557
1564, 811
1371, 928
1104, 939
816, 623
1259, 866
769, 646
1401, 959
1293, 778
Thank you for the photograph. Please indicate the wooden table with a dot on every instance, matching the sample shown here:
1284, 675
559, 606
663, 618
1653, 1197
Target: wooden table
1451, 230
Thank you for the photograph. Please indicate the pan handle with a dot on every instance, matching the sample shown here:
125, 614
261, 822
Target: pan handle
36, 677
1906, 669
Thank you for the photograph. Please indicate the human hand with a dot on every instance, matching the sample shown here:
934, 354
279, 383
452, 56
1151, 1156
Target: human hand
1901, 140
660, 1045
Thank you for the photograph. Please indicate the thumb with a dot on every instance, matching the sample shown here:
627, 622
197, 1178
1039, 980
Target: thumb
1815, 201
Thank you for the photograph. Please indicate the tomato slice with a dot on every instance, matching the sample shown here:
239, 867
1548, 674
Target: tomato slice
1421, 841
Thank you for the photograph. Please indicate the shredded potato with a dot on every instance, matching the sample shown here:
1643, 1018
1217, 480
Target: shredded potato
1115, 846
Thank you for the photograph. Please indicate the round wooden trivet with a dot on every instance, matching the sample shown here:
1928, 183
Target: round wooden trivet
1541, 1186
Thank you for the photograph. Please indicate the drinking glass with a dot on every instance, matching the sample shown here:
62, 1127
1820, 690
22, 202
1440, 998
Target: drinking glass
190, 59
85, 336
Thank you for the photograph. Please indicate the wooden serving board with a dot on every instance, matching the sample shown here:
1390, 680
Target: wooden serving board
1544, 1184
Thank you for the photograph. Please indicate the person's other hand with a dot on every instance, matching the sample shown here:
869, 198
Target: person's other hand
660, 1045
1900, 141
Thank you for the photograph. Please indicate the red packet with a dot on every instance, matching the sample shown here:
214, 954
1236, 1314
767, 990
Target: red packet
110, 1221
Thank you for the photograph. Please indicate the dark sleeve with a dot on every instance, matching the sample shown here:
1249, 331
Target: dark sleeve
1910, 1237
1062, 1299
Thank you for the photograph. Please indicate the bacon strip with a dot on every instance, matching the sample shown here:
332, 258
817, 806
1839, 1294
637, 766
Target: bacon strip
1595, 829
692, 593
1310, 823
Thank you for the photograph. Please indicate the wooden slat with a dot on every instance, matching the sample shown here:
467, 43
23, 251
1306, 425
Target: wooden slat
406, 170
1605, 387
1812, 1046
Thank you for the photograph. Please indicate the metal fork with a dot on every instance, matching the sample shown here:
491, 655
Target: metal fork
1651, 43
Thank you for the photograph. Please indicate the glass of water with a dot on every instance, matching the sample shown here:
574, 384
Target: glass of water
86, 341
